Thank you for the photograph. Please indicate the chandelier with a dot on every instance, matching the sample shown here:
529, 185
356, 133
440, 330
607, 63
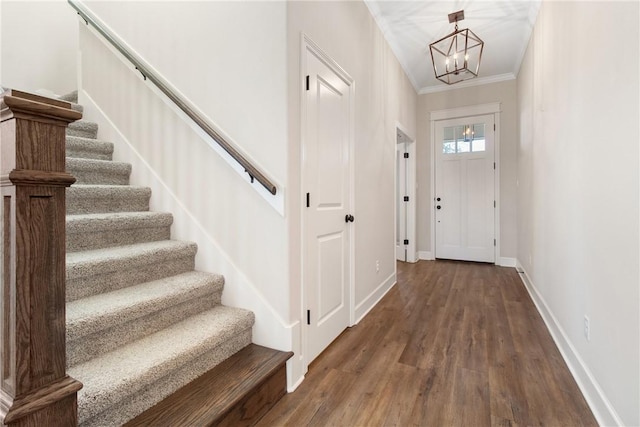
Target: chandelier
456, 57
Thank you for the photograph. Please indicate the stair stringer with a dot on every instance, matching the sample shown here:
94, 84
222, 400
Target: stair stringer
270, 329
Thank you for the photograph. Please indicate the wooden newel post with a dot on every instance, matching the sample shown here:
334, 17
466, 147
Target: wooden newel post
34, 387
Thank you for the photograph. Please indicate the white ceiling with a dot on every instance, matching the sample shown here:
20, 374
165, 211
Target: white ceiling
409, 27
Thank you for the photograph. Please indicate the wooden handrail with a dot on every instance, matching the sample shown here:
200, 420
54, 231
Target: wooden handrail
188, 109
34, 386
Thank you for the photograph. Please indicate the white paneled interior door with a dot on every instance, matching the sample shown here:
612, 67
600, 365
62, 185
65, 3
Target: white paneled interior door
327, 229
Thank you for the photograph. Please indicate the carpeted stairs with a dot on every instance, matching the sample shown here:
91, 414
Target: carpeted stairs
141, 323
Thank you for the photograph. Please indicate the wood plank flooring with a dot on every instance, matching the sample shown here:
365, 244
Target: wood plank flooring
452, 344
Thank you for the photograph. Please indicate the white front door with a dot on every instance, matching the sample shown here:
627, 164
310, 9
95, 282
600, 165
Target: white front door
326, 180
465, 202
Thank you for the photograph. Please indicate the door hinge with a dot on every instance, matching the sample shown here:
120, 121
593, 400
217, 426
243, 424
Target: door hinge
494, 242
308, 317
406, 198
494, 127
307, 199
307, 82
494, 165
406, 241
494, 203
406, 155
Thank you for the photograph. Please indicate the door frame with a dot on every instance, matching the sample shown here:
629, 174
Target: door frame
461, 112
308, 46
412, 251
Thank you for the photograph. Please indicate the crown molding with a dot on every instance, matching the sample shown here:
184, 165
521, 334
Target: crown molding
468, 83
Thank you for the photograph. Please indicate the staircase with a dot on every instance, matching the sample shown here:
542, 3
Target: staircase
141, 322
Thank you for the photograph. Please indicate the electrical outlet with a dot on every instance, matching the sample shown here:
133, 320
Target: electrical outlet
587, 328
377, 266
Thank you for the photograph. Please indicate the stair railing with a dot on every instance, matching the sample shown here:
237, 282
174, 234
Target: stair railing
185, 106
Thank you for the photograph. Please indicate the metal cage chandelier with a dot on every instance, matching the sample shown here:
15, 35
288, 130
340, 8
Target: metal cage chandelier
456, 57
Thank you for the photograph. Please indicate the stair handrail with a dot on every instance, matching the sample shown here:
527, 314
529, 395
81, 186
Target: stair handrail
185, 106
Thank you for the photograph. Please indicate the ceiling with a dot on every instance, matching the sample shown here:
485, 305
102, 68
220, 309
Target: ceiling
409, 27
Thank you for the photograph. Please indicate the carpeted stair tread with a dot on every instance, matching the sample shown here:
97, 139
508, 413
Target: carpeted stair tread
69, 97
92, 314
103, 230
83, 128
87, 148
98, 324
114, 378
77, 107
89, 171
86, 199
102, 258
110, 220
104, 270
72, 97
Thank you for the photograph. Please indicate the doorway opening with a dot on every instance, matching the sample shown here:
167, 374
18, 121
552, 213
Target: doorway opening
405, 197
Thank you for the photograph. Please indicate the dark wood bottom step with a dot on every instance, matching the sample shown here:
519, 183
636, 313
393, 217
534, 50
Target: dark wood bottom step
237, 392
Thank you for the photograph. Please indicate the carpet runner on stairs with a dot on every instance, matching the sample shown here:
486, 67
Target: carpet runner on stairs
141, 323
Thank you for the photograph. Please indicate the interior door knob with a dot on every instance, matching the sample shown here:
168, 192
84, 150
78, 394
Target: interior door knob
438, 199
438, 207
348, 218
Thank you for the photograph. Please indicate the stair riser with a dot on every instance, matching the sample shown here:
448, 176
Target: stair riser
85, 148
83, 153
109, 238
83, 132
100, 177
129, 275
259, 402
134, 400
85, 203
84, 348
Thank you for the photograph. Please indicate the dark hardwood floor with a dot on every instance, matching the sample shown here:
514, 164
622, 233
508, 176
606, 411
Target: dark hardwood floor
452, 344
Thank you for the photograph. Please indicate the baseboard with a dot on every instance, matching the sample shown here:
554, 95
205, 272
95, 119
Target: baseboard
296, 368
292, 382
374, 297
602, 409
426, 255
507, 262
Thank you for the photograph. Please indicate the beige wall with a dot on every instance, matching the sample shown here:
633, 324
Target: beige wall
505, 94
38, 46
347, 32
578, 204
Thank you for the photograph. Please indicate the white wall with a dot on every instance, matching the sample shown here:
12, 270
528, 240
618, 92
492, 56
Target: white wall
38, 46
505, 94
578, 207
228, 59
347, 32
